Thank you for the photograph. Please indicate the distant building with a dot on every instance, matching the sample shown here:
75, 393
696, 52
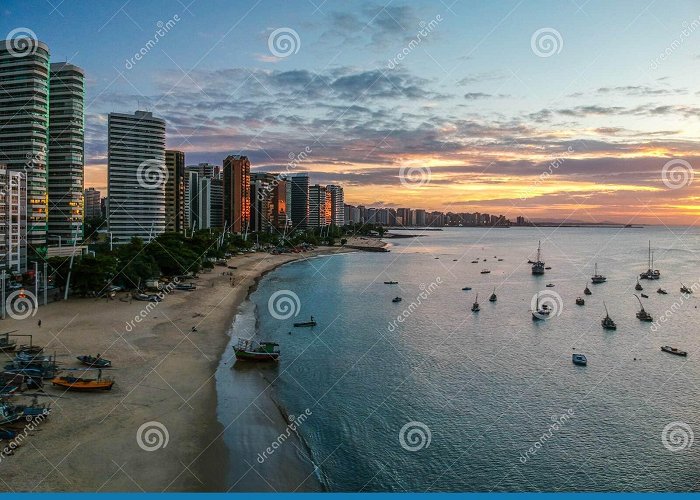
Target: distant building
318, 213
175, 191
136, 176
93, 205
419, 217
299, 191
260, 202
13, 220
237, 193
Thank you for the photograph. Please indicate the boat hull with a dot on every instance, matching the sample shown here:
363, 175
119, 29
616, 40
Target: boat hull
83, 385
256, 356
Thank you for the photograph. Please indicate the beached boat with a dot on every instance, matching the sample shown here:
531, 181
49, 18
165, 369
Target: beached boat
188, 287
642, 315
685, 289
673, 350
580, 301
7, 345
396, 299
94, 361
579, 359
651, 273
249, 350
83, 384
302, 324
538, 265
607, 321
598, 278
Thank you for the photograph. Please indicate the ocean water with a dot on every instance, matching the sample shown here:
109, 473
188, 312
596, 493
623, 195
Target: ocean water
448, 400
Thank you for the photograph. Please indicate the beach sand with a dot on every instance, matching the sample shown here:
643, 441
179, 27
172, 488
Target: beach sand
163, 373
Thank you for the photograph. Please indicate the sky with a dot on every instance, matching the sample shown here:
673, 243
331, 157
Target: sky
565, 110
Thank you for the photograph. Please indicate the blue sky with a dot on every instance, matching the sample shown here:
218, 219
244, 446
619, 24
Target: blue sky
472, 101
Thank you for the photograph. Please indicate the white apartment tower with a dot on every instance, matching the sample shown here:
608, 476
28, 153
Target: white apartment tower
137, 176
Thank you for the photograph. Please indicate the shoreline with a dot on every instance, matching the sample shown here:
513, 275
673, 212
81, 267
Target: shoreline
164, 373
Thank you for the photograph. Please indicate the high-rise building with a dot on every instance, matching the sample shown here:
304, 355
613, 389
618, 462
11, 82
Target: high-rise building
318, 214
136, 176
337, 204
419, 217
175, 191
216, 209
261, 185
13, 220
193, 207
237, 193
206, 170
278, 199
66, 160
24, 123
299, 191
93, 208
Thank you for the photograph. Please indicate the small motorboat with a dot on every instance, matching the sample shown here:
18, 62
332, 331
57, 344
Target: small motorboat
598, 278
642, 315
396, 299
475, 262
638, 286
662, 291
493, 296
303, 324
500, 260
586, 291
467, 288
94, 361
685, 289
475, 305
644, 295
549, 285
548, 268
580, 301
454, 260
485, 271
579, 359
607, 321
673, 350
391, 282
249, 350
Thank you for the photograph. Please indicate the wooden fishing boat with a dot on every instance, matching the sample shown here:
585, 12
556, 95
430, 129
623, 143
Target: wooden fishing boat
396, 299
391, 282
638, 286
685, 289
579, 359
673, 350
249, 350
587, 291
580, 301
303, 324
598, 278
642, 315
94, 361
607, 322
81, 384
485, 271
538, 265
7, 345
644, 295
662, 291
493, 297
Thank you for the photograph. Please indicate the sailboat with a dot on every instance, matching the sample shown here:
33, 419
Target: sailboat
475, 305
598, 278
642, 314
538, 265
493, 296
540, 312
607, 321
651, 273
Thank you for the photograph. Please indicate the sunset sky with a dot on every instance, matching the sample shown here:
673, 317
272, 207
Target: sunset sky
598, 96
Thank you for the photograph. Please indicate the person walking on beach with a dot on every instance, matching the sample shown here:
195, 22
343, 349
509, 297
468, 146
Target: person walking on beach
39, 323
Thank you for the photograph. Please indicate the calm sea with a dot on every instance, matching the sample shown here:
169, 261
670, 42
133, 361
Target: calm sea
450, 400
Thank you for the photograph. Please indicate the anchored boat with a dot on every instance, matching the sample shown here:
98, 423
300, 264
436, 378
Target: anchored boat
607, 321
579, 359
303, 324
673, 350
642, 315
598, 278
651, 273
249, 350
538, 265
475, 305
580, 301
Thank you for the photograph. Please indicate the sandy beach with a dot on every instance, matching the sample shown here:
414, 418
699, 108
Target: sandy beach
164, 385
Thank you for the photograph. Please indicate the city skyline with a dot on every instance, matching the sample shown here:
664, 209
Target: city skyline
494, 120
